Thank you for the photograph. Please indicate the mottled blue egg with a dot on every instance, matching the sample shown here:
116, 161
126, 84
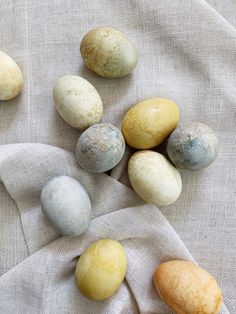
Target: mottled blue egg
100, 148
193, 146
67, 205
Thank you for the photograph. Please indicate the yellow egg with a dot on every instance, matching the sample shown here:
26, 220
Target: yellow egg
187, 288
149, 122
101, 269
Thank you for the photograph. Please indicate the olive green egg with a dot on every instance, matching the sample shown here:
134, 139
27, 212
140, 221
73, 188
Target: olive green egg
108, 52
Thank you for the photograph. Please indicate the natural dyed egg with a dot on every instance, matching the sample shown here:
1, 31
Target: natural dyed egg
108, 52
77, 101
187, 288
101, 269
11, 78
149, 122
66, 204
193, 146
154, 178
100, 148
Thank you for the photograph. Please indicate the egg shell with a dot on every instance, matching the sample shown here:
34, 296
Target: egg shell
149, 122
77, 101
108, 53
11, 78
101, 269
193, 146
187, 288
154, 178
67, 205
100, 148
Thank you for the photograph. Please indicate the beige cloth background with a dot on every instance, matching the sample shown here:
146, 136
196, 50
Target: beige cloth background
187, 53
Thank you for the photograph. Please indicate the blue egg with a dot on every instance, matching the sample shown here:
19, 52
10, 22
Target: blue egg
193, 146
100, 148
67, 205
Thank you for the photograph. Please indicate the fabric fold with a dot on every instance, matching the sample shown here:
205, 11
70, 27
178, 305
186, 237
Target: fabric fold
44, 282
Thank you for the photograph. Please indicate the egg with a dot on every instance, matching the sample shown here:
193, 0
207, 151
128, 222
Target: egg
154, 178
193, 146
149, 122
108, 52
77, 101
11, 78
100, 148
101, 269
187, 288
67, 205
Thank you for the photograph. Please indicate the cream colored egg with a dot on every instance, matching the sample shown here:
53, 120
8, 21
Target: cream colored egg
149, 122
11, 78
101, 269
154, 178
77, 101
187, 288
108, 52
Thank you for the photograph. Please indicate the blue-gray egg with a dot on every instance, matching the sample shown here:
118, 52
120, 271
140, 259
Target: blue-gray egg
67, 205
193, 146
100, 148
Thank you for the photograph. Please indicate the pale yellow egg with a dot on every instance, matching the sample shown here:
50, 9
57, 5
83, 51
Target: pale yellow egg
11, 78
154, 178
101, 269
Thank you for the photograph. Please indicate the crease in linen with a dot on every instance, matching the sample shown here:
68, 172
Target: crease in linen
46, 277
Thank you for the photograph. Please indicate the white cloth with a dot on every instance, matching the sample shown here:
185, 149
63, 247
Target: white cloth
44, 282
188, 53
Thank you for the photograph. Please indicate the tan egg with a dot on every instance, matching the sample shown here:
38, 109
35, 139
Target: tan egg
108, 52
187, 288
11, 78
101, 269
77, 101
154, 178
149, 122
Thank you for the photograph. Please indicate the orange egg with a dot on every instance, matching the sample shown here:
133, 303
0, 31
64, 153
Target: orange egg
187, 288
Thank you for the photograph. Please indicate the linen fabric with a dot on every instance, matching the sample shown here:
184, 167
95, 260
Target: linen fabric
187, 52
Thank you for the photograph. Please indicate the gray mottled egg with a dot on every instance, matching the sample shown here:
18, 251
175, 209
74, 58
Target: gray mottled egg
193, 146
66, 204
77, 101
100, 148
108, 52
11, 78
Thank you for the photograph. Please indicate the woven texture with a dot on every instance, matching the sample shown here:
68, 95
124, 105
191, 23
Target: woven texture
187, 52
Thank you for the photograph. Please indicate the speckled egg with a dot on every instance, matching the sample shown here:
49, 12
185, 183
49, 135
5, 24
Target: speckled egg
77, 101
187, 288
108, 53
100, 148
11, 78
193, 146
101, 269
66, 204
154, 178
149, 122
